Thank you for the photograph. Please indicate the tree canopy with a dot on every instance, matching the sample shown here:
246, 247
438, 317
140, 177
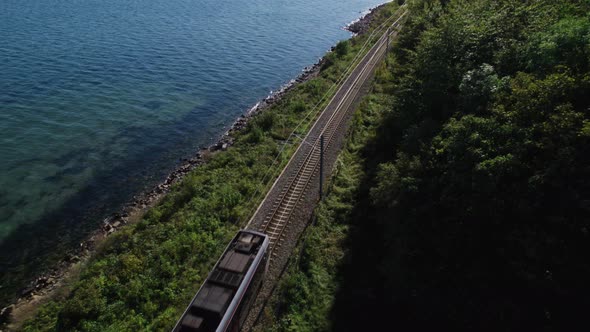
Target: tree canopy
481, 193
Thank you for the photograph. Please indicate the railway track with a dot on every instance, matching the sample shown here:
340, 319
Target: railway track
304, 163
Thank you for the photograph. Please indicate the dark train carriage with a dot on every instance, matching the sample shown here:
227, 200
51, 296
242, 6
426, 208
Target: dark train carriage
222, 302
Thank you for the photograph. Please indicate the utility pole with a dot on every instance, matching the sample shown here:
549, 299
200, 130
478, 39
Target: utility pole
388, 43
321, 165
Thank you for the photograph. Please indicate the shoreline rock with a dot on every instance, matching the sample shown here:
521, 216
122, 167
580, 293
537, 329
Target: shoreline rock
361, 26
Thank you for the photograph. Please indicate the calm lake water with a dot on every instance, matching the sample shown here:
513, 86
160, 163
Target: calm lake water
99, 99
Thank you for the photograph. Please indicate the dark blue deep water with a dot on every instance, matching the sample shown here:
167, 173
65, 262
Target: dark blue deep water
99, 99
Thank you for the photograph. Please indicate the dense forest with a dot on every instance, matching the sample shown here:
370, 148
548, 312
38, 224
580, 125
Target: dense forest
471, 203
483, 199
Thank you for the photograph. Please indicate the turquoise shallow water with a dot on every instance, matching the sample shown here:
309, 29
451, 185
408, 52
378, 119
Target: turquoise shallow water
100, 98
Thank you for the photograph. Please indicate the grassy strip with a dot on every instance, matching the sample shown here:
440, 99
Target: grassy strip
146, 273
303, 301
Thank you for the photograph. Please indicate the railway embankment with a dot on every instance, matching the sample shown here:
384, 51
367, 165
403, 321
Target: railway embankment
145, 271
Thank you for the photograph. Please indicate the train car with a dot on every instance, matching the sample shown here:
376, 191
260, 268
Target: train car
223, 301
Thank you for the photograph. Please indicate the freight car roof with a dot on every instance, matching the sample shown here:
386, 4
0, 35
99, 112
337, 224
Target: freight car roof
215, 296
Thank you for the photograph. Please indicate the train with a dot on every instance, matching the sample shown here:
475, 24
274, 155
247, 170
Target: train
222, 302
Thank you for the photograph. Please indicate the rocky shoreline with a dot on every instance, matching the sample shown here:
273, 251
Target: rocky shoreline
48, 283
147, 199
361, 25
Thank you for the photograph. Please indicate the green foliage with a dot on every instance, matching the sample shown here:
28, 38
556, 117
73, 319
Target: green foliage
477, 87
46, 318
342, 48
566, 42
328, 61
316, 87
394, 180
265, 121
299, 106
256, 135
